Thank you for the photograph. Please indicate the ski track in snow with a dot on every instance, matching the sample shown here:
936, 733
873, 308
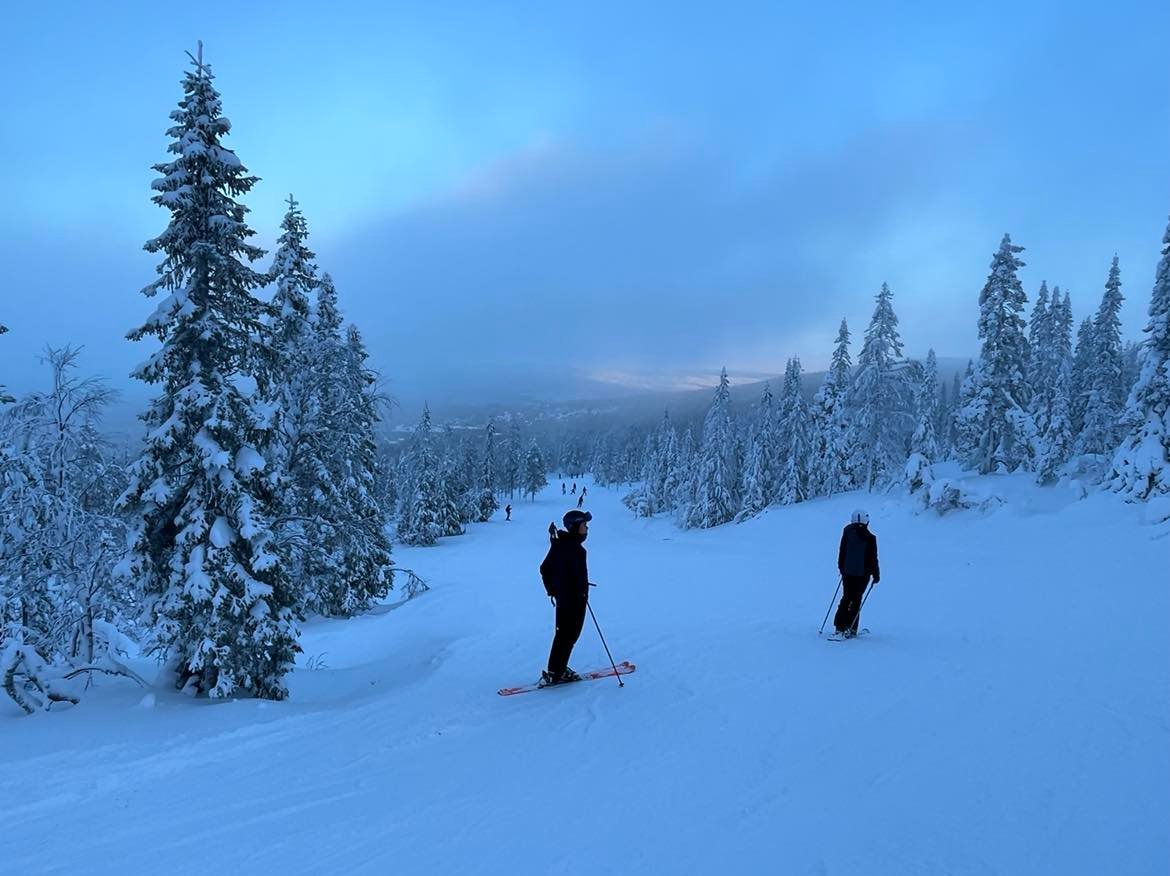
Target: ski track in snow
1008, 714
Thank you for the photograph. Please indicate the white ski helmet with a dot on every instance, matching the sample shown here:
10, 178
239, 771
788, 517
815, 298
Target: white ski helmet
860, 517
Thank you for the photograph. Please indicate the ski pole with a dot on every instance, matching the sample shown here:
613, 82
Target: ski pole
617, 674
830, 608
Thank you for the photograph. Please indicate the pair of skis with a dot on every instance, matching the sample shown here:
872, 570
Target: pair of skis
623, 668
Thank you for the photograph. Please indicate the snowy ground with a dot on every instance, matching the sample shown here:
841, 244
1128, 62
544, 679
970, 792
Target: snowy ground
1009, 714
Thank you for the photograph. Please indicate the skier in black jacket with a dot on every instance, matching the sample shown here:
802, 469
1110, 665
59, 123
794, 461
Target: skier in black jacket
566, 580
857, 561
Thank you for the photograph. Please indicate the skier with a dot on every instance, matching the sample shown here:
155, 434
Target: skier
562, 488
573, 491
566, 580
584, 490
581, 499
507, 512
857, 561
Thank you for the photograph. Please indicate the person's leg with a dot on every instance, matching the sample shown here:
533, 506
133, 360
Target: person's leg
854, 587
570, 620
844, 607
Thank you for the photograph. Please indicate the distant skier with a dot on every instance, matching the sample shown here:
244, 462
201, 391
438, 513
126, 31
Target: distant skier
573, 491
581, 499
507, 512
857, 561
562, 488
584, 490
566, 581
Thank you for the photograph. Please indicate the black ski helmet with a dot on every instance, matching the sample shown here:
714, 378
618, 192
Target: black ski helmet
572, 518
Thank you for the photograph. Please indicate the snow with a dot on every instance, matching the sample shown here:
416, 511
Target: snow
1009, 713
222, 533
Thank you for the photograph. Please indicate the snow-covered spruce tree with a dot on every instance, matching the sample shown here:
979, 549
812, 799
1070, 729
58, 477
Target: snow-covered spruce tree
1106, 381
1039, 377
1141, 466
291, 334
880, 401
683, 477
831, 473
761, 474
715, 483
942, 419
534, 471
451, 475
924, 441
488, 504
353, 565
957, 402
218, 597
1056, 444
1081, 375
303, 365
996, 417
468, 481
421, 515
796, 439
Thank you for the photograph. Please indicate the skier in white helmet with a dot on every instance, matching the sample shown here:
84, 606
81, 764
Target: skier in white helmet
857, 561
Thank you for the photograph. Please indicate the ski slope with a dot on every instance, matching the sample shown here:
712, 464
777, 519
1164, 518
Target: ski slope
1010, 713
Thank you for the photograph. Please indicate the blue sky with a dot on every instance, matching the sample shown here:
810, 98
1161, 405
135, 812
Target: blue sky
518, 197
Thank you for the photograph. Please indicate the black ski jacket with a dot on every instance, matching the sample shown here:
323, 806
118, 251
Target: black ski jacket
564, 570
858, 555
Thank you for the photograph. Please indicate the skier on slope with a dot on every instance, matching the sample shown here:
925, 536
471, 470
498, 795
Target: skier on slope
857, 561
507, 512
566, 580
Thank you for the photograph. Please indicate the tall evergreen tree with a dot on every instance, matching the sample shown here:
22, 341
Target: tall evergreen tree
1056, 445
715, 483
761, 476
488, 504
957, 401
1039, 375
534, 471
215, 583
669, 475
301, 371
880, 400
1081, 375
1106, 384
361, 571
1141, 466
795, 438
996, 416
424, 515
924, 441
831, 473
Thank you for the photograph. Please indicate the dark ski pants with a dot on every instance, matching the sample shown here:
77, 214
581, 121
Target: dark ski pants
849, 609
570, 620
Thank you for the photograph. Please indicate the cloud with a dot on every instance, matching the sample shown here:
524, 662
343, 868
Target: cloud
657, 253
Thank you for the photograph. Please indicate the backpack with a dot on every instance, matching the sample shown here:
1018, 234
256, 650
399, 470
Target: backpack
550, 568
856, 548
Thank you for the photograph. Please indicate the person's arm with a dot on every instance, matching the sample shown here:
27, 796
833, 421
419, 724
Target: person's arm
877, 572
841, 555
